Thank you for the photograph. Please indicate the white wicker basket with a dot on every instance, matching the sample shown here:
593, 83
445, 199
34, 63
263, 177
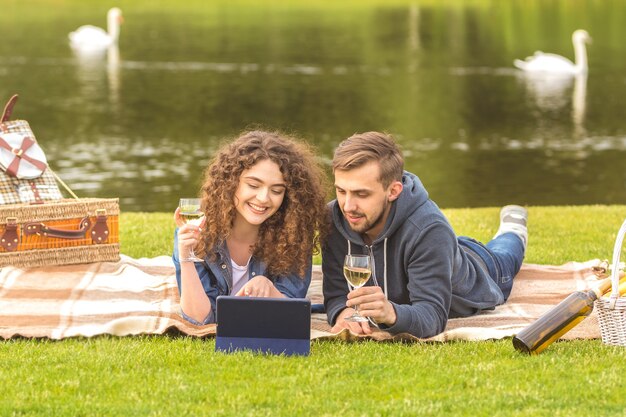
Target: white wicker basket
612, 310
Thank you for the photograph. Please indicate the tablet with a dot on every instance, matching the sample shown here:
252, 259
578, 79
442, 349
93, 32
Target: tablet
268, 325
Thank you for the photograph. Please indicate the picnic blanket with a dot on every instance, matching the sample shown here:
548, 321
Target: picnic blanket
140, 296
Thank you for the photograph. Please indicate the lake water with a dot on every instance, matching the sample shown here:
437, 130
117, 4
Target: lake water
140, 122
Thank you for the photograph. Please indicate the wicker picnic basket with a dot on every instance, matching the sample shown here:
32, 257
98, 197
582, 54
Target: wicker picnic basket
68, 231
38, 227
612, 310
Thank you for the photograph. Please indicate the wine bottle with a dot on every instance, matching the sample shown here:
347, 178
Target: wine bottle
561, 319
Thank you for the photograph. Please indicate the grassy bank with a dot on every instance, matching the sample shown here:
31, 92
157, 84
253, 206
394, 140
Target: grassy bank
556, 234
183, 376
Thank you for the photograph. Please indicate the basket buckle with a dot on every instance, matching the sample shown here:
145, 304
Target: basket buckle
9, 238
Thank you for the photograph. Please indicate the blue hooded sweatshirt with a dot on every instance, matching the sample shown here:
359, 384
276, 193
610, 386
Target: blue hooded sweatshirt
418, 262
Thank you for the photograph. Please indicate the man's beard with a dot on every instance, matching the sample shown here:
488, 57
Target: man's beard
370, 224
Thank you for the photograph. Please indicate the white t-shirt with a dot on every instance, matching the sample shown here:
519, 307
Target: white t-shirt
240, 276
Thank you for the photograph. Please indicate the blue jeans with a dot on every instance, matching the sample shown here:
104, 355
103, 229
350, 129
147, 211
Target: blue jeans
502, 256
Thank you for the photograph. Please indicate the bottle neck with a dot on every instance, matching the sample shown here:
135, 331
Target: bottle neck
602, 288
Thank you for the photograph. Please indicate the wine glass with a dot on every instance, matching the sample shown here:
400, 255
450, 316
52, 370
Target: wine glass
357, 269
189, 210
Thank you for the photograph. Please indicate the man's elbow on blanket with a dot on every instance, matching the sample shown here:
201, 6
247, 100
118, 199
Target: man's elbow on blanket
418, 320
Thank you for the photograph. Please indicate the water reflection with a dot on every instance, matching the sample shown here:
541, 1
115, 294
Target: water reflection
98, 74
413, 36
131, 171
113, 75
555, 92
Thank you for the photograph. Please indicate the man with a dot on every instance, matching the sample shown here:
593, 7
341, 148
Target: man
422, 273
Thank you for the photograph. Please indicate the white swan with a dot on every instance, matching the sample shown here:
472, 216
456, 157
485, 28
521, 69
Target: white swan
556, 64
92, 37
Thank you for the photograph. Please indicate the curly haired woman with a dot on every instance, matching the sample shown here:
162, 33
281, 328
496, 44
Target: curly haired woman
263, 200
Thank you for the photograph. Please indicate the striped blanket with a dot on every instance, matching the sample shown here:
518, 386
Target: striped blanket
139, 296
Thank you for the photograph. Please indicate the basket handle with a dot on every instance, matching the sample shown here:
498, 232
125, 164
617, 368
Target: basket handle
8, 109
42, 229
617, 249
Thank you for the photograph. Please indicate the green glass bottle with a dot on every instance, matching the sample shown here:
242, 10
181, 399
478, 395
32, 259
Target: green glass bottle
559, 320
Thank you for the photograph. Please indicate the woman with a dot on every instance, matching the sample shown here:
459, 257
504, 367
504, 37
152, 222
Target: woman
263, 200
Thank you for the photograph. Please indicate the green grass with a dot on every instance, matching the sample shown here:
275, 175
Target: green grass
162, 375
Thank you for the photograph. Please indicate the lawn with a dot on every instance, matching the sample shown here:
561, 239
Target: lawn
161, 375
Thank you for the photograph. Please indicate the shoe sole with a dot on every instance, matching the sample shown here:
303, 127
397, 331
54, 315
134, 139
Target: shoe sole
515, 210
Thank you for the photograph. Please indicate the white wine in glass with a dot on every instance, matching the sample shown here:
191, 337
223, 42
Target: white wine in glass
357, 270
189, 210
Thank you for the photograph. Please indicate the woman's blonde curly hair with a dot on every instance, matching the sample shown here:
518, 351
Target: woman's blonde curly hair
289, 237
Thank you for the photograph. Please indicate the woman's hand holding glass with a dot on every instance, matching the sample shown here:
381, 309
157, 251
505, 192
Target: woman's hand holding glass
190, 221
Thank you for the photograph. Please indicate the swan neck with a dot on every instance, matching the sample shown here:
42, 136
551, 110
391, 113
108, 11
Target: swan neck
113, 28
580, 56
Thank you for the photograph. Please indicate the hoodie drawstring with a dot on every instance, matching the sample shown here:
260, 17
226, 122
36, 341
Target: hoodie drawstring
349, 253
385, 268
371, 254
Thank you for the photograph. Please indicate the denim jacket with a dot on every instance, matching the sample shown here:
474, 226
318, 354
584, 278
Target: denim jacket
217, 278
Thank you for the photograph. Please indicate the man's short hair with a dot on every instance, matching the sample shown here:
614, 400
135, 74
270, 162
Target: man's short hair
361, 148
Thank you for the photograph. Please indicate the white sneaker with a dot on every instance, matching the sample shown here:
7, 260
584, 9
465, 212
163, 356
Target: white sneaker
513, 219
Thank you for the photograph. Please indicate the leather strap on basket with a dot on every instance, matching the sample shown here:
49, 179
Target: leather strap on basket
100, 231
43, 230
36, 195
9, 238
